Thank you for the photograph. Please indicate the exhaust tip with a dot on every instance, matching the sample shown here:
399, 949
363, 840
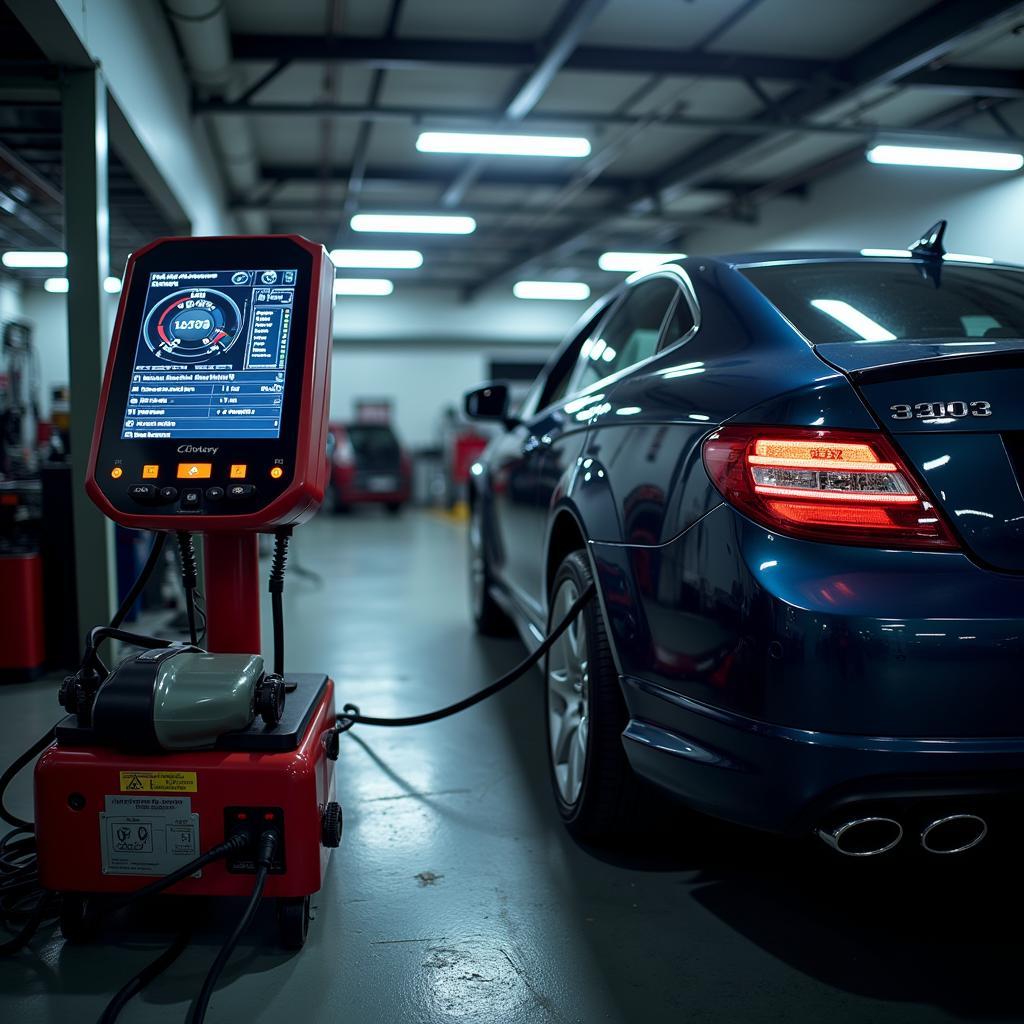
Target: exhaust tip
863, 837
955, 833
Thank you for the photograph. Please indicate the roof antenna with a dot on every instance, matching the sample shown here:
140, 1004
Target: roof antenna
929, 248
929, 245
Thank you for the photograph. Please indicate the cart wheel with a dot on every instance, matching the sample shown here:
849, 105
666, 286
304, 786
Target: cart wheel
293, 921
74, 911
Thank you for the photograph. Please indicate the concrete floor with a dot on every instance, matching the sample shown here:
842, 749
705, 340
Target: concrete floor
456, 895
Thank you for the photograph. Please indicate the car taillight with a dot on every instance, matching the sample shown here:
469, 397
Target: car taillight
843, 486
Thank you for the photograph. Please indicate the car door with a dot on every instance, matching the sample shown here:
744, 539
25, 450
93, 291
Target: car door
628, 334
519, 500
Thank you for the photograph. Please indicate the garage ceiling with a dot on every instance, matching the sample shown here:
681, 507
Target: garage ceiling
696, 110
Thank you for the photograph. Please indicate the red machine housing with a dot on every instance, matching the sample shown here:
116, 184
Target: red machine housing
300, 781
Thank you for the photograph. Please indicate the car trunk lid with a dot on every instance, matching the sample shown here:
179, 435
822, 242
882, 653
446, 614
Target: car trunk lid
953, 408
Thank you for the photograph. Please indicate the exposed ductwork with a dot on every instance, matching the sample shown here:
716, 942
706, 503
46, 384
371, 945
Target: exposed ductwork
203, 34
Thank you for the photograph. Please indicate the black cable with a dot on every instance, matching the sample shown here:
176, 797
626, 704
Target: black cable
155, 551
276, 587
268, 844
190, 580
200, 603
139, 981
236, 842
350, 713
16, 766
152, 970
23, 904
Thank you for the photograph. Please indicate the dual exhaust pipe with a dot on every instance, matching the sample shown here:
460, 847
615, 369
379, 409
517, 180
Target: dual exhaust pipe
872, 836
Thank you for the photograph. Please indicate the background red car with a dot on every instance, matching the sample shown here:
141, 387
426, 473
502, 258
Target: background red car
368, 466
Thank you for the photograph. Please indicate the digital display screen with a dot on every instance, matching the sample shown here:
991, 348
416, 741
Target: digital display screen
212, 354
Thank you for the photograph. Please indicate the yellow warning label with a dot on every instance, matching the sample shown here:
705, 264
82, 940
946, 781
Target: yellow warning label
158, 782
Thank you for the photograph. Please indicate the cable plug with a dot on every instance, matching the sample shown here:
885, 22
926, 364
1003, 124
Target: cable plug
269, 839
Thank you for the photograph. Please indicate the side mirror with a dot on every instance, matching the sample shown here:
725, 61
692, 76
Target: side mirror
489, 403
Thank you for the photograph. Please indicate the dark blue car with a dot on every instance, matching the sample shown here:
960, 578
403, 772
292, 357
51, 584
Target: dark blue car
796, 481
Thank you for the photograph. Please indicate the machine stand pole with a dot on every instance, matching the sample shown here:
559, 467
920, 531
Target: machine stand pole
232, 580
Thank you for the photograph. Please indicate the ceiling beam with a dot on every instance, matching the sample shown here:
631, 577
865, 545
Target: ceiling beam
422, 175
998, 82
417, 53
911, 47
570, 24
549, 119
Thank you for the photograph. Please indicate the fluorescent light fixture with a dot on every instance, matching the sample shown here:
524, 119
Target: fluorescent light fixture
33, 260
391, 259
574, 291
935, 156
60, 285
630, 261
502, 145
886, 252
858, 322
363, 286
959, 257
413, 224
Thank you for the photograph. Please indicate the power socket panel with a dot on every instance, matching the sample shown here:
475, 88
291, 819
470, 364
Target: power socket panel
253, 822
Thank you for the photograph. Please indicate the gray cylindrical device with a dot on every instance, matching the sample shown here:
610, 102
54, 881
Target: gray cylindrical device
177, 698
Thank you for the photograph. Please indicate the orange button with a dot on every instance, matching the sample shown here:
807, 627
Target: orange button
150, 472
238, 471
194, 470
117, 472
277, 472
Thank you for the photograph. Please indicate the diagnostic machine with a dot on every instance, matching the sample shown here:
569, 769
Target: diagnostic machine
212, 421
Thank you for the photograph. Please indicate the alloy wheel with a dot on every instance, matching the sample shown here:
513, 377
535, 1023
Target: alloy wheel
568, 697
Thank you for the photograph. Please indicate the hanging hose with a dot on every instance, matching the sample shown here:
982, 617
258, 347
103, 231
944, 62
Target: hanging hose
155, 551
190, 580
276, 587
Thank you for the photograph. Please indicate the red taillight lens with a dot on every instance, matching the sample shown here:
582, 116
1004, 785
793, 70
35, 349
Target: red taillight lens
841, 486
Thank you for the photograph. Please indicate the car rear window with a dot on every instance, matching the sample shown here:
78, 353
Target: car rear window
891, 300
372, 441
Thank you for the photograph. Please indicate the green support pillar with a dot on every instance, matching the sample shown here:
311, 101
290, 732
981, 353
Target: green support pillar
86, 239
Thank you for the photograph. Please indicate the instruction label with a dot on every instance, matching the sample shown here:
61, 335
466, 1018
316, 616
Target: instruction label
158, 782
147, 835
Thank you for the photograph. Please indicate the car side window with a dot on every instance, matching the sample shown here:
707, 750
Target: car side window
680, 322
557, 383
631, 333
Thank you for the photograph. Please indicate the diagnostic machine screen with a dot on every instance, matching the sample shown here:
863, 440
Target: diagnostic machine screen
212, 354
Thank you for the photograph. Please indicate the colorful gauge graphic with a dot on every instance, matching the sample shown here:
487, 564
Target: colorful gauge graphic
193, 326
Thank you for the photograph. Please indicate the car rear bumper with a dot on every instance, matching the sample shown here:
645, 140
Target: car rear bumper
353, 488
793, 780
770, 680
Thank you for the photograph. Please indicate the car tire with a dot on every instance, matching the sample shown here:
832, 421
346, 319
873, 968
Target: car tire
394, 507
595, 788
488, 616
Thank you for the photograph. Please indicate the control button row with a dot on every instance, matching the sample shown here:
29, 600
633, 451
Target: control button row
191, 497
197, 471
